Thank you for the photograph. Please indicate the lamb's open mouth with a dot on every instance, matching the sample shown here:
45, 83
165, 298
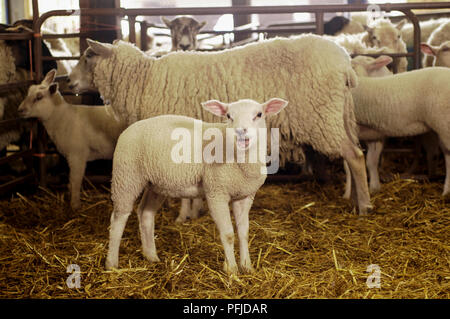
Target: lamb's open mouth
243, 142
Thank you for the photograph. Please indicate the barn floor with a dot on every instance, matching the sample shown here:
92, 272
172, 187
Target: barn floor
305, 242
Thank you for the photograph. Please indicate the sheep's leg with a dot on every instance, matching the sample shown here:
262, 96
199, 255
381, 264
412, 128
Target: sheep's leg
123, 196
374, 150
348, 181
185, 210
197, 205
77, 168
148, 207
220, 213
431, 144
241, 209
447, 173
446, 149
355, 159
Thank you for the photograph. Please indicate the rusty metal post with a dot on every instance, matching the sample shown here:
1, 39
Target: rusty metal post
415, 22
132, 27
144, 38
319, 23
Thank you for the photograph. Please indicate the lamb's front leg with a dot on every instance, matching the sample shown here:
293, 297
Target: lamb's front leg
374, 150
241, 209
77, 167
220, 213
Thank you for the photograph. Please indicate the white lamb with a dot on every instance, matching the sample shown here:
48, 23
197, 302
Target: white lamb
314, 74
80, 133
439, 53
144, 156
426, 28
436, 39
401, 105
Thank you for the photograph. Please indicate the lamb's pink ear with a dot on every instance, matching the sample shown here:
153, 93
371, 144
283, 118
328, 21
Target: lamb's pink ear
102, 49
273, 106
427, 49
216, 107
49, 77
380, 62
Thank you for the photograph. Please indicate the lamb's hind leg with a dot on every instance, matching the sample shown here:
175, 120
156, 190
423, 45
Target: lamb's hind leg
123, 198
374, 150
149, 205
355, 159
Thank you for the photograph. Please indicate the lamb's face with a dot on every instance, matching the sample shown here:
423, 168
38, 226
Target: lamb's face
184, 30
245, 117
371, 67
443, 55
37, 103
81, 79
387, 35
440, 53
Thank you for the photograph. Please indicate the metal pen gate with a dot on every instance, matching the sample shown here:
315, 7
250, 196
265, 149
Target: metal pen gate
317, 27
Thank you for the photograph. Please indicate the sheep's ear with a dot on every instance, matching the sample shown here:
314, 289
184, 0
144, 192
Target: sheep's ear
273, 106
400, 25
49, 77
167, 22
368, 29
201, 25
428, 49
380, 62
216, 107
102, 49
53, 88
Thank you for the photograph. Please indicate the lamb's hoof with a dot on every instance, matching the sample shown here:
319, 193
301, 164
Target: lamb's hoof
110, 265
346, 196
247, 269
364, 212
180, 220
153, 258
75, 205
374, 189
232, 270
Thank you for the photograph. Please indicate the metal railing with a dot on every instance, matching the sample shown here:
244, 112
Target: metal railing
318, 27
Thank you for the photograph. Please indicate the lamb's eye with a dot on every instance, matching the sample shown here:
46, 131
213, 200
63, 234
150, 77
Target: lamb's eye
229, 117
259, 114
38, 97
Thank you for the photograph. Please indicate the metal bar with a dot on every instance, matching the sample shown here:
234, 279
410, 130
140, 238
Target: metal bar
319, 23
132, 27
10, 86
415, 22
143, 35
20, 180
10, 158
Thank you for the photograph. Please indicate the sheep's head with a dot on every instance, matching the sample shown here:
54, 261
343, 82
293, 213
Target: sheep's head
245, 117
81, 79
371, 67
183, 30
383, 33
39, 101
440, 53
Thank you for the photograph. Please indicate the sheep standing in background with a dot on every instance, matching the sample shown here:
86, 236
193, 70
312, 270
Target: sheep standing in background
436, 39
426, 28
440, 54
382, 33
406, 104
80, 133
183, 31
138, 87
144, 156
365, 66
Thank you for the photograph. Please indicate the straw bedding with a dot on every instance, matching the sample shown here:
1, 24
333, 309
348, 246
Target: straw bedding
305, 242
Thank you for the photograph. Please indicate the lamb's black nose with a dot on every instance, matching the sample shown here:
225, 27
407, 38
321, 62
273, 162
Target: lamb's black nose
184, 47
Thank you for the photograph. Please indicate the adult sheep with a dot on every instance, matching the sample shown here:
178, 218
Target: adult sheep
312, 73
